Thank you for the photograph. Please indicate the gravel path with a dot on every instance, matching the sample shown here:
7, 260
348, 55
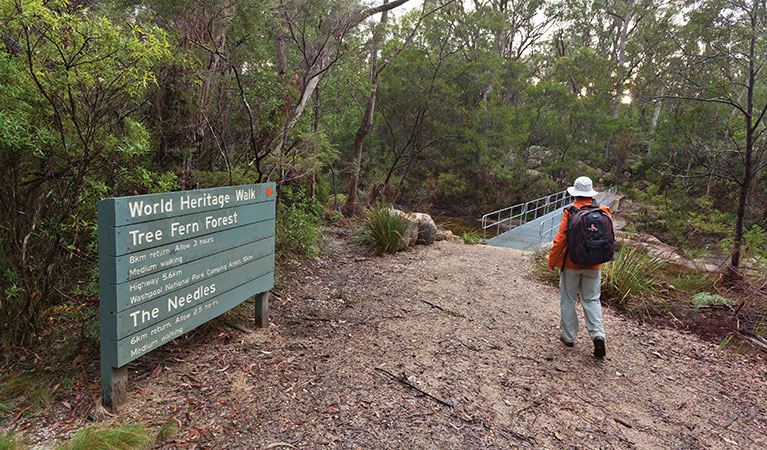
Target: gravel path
467, 325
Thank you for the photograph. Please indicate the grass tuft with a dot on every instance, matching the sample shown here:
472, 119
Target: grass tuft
27, 388
631, 276
382, 229
761, 326
167, 430
116, 437
17, 385
471, 237
541, 267
11, 441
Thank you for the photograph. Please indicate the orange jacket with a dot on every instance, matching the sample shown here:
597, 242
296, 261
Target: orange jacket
560, 240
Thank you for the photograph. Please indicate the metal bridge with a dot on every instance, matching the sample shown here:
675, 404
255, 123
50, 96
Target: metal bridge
528, 225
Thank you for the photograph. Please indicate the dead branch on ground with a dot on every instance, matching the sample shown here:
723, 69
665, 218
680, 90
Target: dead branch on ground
409, 384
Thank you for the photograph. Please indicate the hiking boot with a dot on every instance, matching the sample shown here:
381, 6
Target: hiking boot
599, 347
569, 344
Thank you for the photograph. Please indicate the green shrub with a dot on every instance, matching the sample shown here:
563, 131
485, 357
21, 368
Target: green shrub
298, 233
332, 216
116, 437
630, 276
322, 191
449, 185
298, 225
382, 229
755, 244
687, 221
215, 178
336, 200
688, 280
298, 196
57, 161
537, 187
703, 299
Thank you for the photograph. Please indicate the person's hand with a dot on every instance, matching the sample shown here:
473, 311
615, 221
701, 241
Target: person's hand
552, 270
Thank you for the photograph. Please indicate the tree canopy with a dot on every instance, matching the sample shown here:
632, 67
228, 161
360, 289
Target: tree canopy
454, 106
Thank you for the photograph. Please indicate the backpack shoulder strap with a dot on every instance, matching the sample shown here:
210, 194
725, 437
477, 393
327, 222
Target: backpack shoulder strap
571, 210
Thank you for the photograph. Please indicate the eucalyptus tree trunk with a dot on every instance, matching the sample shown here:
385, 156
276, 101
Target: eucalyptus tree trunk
367, 117
367, 122
746, 20
319, 57
754, 116
748, 160
655, 115
627, 16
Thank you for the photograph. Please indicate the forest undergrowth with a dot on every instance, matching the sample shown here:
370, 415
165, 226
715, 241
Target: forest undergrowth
731, 312
317, 305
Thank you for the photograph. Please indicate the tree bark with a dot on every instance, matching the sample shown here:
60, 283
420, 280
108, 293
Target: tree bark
748, 168
359, 138
315, 64
627, 15
655, 116
367, 122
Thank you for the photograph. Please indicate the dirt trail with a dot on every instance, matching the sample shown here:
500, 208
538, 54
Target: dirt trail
466, 324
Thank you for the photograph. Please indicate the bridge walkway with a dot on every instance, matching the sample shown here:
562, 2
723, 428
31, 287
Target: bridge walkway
531, 224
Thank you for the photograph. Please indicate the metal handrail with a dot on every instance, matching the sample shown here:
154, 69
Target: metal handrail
524, 212
553, 223
528, 211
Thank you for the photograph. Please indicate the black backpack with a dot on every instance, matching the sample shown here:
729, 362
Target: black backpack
590, 238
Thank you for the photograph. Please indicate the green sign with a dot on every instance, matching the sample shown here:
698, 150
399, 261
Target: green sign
171, 262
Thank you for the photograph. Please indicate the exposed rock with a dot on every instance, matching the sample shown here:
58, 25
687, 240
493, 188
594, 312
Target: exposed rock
427, 229
444, 235
533, 172
410, 237
657, 248
536, 155
411, 234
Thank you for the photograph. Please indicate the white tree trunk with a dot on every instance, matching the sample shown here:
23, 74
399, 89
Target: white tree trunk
627, 15
655, 116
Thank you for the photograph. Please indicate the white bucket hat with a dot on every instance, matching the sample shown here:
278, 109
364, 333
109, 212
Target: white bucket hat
583, 187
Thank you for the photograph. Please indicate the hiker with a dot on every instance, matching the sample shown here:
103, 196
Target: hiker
584, 278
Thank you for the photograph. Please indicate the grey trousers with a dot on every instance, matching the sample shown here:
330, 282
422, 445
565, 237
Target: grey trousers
587, 282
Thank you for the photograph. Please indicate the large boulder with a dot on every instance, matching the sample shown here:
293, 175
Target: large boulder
427, 229
444, 235
411, 234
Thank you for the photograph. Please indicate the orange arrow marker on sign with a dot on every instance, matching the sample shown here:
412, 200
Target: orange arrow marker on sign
269, 192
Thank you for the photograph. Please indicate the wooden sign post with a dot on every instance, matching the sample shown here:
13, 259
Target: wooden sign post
170, 262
